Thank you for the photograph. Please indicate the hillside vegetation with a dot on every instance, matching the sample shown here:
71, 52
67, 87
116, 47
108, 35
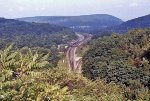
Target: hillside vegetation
26, 76
123, 60
32, 34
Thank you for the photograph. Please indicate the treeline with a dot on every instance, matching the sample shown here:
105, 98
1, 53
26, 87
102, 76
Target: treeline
123, 60
35, 40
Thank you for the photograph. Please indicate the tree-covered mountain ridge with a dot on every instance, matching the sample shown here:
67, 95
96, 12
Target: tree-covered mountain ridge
140, 22
78, 23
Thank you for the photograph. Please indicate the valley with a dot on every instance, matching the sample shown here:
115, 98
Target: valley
95, 57
74, 62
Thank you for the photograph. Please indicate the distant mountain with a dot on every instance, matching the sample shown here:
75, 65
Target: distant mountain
140, 22
78, 23
10, 26
33, 34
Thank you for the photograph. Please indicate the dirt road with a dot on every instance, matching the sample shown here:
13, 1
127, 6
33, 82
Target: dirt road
75, 62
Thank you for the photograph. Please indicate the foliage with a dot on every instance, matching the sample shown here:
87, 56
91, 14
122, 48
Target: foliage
121, 59
28, 79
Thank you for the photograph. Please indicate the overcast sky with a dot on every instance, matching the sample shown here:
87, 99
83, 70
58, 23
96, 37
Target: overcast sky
124, 9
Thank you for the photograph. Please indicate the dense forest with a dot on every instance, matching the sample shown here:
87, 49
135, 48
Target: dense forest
123, 60
23, 33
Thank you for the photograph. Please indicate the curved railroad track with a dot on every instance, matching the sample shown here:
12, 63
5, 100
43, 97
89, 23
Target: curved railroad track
75, 62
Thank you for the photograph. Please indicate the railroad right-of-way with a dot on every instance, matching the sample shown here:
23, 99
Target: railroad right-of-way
74, 62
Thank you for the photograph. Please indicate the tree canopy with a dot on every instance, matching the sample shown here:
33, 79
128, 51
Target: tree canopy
121, 59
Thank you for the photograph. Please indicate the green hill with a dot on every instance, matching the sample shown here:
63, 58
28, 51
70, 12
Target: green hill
140, 22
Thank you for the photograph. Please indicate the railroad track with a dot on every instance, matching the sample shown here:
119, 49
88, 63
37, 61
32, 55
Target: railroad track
75, 62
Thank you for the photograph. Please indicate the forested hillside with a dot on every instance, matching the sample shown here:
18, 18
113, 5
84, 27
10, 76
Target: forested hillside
82, 23
33, 34
123, 60
140, 22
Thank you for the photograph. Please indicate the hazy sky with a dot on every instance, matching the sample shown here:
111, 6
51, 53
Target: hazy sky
124, 9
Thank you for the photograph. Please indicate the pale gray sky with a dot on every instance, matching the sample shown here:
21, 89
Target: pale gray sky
124, 9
